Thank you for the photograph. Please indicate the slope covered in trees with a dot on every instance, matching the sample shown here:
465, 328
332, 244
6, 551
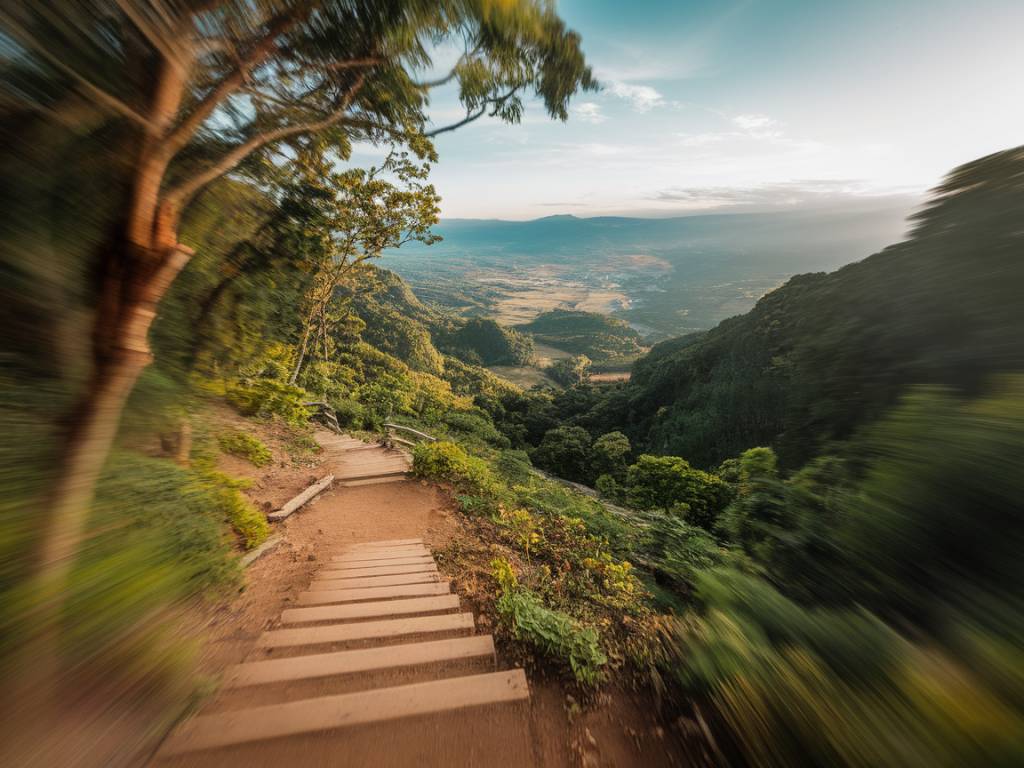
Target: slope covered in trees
826, 353
604, 339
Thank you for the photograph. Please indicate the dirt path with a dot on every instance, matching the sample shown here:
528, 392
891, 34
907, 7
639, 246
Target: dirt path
541, 732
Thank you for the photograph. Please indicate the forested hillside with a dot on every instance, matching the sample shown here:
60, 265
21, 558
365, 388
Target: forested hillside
827, 353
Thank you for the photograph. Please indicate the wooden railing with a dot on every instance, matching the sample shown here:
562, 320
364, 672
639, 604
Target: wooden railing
390, 438
325, 414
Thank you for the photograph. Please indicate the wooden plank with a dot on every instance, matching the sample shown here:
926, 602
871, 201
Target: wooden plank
327, 597
367, 610
374, 581
376, 570
251, 557
298, 501
387, 557
365, 630
410, 430
359, 564
384, 543
327, 713
360, 660
408, 550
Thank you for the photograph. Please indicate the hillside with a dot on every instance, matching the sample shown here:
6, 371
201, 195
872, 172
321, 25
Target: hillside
826, 353
602, 338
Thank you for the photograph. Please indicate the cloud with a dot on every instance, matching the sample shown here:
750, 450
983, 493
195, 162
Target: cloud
643, 98
758, 126
798, 192
589, 112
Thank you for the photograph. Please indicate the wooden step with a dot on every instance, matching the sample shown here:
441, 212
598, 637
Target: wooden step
329, 574
327, 597
342, 633
361, 660
374, 581
384, 543
331, 712
378, 567
397, 561
409, 550
390, 544
398, 474
376, 480
362, 561
366, 610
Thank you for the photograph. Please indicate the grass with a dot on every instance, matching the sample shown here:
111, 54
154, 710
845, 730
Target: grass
245, 446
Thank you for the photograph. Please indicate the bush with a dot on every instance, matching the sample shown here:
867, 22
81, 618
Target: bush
514, 466
816, 687
247, 521
565, 451
443, 460
350, 413
555, 634
245, 446
266, 398
477, 426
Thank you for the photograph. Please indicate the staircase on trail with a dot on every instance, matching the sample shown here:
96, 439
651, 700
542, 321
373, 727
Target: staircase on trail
377, 638
359, 463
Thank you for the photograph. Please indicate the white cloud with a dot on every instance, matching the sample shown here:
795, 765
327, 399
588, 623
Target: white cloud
644, 98
758, 126
589, 112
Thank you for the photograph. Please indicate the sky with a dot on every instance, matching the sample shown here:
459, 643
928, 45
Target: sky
749, 105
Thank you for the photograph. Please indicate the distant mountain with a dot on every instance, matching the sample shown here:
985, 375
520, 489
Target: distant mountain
665, 276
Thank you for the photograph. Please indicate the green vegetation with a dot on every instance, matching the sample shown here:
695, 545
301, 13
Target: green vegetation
245, 446
553, 633
484, 342
605, 340
571, 372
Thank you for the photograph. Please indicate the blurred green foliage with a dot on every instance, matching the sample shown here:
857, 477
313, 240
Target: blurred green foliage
245, 446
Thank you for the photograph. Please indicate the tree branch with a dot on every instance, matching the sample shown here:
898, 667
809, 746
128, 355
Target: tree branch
426, 86
494, 102
184, 190
265, 46
107, 99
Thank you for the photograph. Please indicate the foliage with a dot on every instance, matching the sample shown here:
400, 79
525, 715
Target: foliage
666, 482
794, 686
446, 461
599, 337
565, 451
266, 398
246, 446
610, 456
571, 372
553, 633
489, 343
157, 537
247, 521
514, 466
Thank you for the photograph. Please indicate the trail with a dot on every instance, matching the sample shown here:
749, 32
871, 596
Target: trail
351, 649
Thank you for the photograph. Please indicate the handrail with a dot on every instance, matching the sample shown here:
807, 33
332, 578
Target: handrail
428, 438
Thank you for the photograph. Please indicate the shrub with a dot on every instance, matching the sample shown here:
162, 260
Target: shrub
555, 634
245, 446
514, 466
565, 451
350, 413
266, 398
247, 521
477, 426
443, 460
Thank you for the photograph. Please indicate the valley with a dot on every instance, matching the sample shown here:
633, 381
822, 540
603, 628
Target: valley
665, 277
